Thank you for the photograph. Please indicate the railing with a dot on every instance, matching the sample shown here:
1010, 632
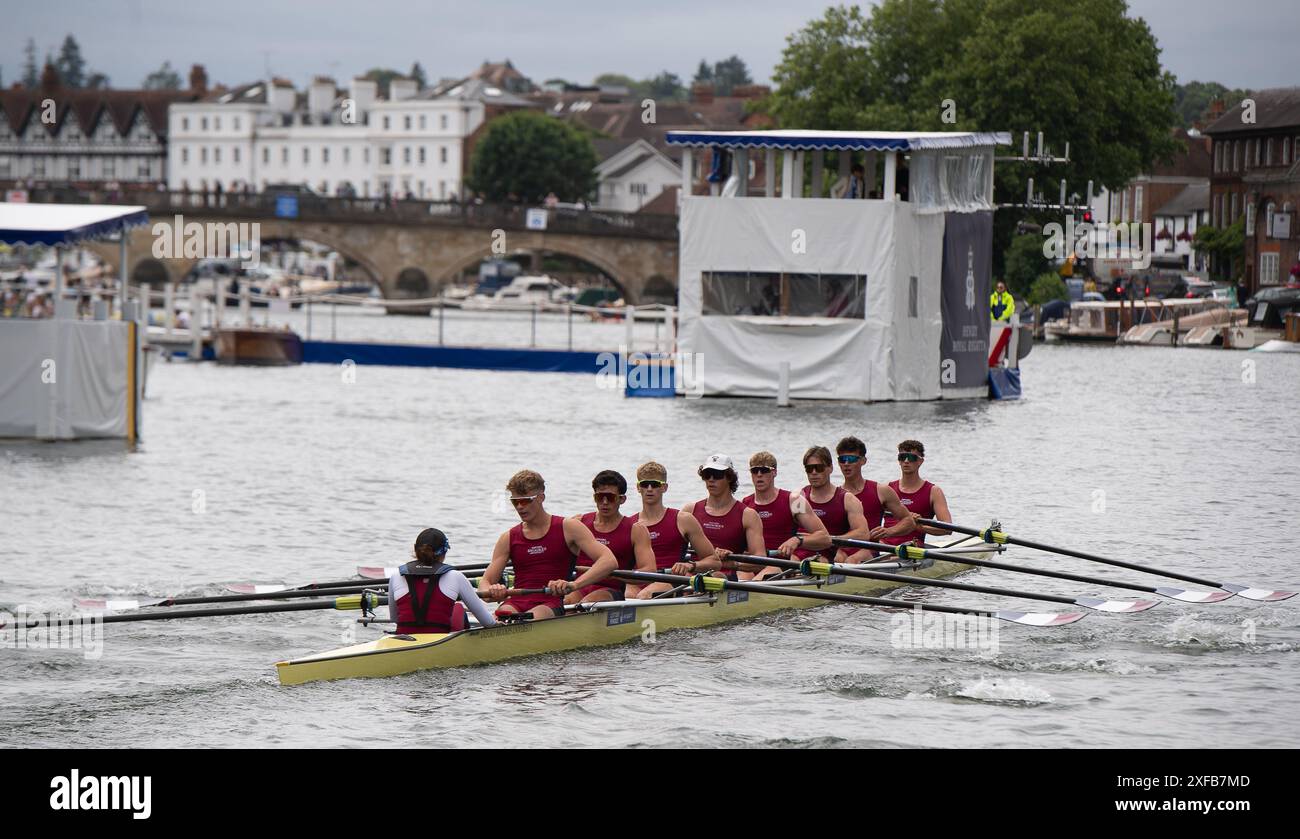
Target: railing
263, 205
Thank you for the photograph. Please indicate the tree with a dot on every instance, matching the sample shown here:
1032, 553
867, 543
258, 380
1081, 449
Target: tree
1047, 287
417, 73
616, 80
729, 74
1005, 65
704, 73
666, 85
98, 81
1194, 98
1025, 263
31, 73
1225, 245
164, 78
382, 75
72, 67
526, 155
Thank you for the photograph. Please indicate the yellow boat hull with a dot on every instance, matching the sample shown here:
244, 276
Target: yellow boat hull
392, 656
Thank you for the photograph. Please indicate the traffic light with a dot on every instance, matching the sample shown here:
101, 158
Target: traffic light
1087, 216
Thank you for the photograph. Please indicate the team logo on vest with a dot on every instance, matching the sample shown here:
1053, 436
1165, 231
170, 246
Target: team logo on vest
654, 534
712, 525
536, 549
821, 513
765, 514
116, 792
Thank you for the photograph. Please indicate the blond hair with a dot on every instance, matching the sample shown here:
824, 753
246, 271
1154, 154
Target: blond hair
525, 482
762, 459
651, 471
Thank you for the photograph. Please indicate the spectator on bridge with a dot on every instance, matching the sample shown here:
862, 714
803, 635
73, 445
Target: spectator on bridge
11, 304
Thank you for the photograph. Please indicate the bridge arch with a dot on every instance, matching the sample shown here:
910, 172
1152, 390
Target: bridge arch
467, 259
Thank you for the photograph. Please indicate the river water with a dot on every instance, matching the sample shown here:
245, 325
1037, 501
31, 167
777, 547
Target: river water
1184, 459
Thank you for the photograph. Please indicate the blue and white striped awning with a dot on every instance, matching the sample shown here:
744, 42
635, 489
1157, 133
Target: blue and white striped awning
796, 140
65, 224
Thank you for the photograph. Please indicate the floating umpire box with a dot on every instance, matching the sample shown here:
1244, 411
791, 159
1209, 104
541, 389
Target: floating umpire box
867, 295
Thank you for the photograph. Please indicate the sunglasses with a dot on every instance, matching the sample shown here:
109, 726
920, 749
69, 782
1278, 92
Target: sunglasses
908, 457
815, 467
759, 470
523, 500
712, 475
850, 458
607, 497
649, 484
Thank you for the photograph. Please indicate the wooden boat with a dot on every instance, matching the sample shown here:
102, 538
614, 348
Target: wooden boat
604, 624
258, 345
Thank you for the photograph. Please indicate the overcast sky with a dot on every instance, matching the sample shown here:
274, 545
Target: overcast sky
1240, 44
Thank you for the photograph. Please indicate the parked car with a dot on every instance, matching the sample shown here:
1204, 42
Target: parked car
1270, 305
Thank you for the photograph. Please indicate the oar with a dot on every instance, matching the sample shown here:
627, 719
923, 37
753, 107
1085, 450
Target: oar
267, 588
706, 583
374, 572
124, 605
352, 601
1183, 594
825, 569
998, 537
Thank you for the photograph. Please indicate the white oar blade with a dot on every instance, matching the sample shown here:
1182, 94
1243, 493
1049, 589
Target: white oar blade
1266, 595
257, 588
1114, 605
1041, 618
92, 605
1189, 596
371, 572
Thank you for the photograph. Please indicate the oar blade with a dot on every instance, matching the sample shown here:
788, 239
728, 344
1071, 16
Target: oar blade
1115, 605
1189, 596
257, 588
1265, 595
108, 605
1040, 618
371, 572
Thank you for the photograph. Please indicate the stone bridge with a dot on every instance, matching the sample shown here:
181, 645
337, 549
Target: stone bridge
411, 249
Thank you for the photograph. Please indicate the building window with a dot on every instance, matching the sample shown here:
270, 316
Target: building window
442, 154
74, 169
423, 154
406, 122
1268, 218
1250, 218
306, 155
780, 294
1137, 203
423, 121
406, 154
325, 156
443, 122
365, 154
1268, 152
185, 123
1236, 155
386, 156
1217, 156
637, 189
234, 153
185, 154
236, 123
1286, 152
266, 154
386, 123
216, 123
216, 154
1268, 268
109, 169
1232, 213
347, 154
203, 123
1123, 214
284, 155
1259, 152
203, 155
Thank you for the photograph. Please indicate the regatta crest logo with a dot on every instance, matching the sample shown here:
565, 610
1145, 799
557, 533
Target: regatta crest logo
178, 239
109, 792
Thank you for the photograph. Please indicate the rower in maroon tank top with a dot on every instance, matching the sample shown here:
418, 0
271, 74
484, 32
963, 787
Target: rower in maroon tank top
730, 526
921, 499
626, 539
840, 512
877, 499
671, 530
788, 524
543, 549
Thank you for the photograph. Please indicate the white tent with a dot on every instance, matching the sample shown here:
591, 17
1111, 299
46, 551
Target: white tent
872, 299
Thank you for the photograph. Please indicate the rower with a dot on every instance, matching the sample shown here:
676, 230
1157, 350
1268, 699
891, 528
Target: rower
782, 513
628, 540
730, 526
543, 549
427, 595
922, 499
840, 511
876, 498
671, 531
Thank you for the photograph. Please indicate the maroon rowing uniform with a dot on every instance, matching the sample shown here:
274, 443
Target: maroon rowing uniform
537, 562
619, 542
833, 517
872, 510
778, 521
666, 539
914, 502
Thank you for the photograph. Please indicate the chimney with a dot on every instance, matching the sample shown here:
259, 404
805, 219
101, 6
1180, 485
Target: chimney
401, 88
363, 95
320, 96
702, 93
198, 79
281, 96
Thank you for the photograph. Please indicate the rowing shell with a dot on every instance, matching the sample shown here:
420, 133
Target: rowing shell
604, 625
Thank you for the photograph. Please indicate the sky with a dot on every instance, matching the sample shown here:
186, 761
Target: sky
1239, 44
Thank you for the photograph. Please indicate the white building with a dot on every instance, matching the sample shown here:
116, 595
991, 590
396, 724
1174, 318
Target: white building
334, 142
1176, 223
633, 176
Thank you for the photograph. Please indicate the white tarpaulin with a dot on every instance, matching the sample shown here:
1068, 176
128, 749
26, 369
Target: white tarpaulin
63, 379
889, 350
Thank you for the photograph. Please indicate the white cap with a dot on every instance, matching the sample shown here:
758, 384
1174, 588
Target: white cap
718, 461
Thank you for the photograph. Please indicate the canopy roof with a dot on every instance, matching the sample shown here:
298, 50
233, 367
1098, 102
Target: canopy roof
800, 140
65, 224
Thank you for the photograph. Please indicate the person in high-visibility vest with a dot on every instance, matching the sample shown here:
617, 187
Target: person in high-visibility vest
1001, 304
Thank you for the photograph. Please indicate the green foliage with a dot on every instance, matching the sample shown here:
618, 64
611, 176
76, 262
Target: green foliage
703, 73
382, 75
1192, 99
70, 64
31, 73
1047, 287
725, 75
1025, 263
1227, 245
164, 78
526, 155
417, 73
666, 85
1081, 71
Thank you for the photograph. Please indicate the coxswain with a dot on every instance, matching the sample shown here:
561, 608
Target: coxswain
543, 550
788, 524
628, 540
428, 595
922, 499
671, 530
730, 526
877, 498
